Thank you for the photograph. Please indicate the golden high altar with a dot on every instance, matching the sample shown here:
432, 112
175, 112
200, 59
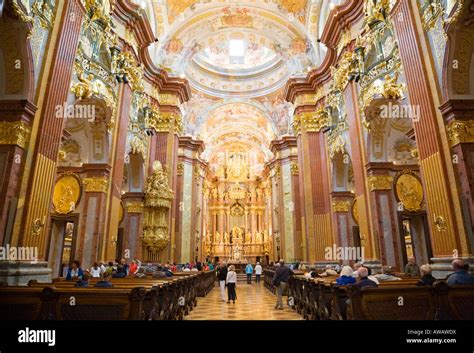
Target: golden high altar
238, 219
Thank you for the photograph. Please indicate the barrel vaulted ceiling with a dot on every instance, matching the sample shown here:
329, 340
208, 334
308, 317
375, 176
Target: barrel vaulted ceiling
237, 57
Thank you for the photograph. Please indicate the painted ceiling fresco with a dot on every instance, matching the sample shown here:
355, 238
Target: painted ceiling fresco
237, 57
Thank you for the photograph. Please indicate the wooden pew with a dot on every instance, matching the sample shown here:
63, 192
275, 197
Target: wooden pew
23, 303
385, 303
69, 303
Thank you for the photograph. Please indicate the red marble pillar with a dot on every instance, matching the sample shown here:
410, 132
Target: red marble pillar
92, 224
15, 125
133, 223
119, 142
444, 214
46, 135
459, 116
314, 194
358, 157
164, 148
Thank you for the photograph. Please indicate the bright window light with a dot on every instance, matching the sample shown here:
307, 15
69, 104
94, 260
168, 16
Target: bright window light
236, 47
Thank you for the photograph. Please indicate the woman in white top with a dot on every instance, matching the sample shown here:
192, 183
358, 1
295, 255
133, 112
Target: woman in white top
231, 282
95, 271
258, 272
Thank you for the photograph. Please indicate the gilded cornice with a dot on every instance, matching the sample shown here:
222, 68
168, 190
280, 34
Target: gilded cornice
380, 182
460, 131
14, 133
96, 184
134, 207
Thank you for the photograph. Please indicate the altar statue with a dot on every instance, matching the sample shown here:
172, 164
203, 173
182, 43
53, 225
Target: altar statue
217, 238
226, 238
259, 238
248, 238
237, 254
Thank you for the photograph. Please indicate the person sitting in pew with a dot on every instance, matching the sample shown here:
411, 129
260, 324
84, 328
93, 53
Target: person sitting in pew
386, 275
346, 277
371, 277
95, 270
411, 268
186, 268
105, 283
120, 273
364, 281
461, 276
329, 271
427, 279
159, 273
75, 271
83, 282
110, 268
133, 268
167, 270
141, 273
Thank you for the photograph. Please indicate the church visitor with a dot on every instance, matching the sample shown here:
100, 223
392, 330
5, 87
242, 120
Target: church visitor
186, 268
141, 273
83, 282
427, 278
159, 273
125, 266
461, 276
258, 272
75, 271
411, 268
386, 275
167, 270
248, 272
133, 269
364, 281
95, 270
105, 283
346, 277
120, 272
222, 277
231, 281
280, 280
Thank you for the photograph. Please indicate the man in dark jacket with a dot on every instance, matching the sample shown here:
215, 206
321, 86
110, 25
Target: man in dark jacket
461, 276
280, 281
221, 277
364, 280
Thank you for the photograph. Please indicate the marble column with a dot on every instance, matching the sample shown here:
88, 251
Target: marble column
314, 194
37, 185
133, 223
444, 212
164, 148
119, 141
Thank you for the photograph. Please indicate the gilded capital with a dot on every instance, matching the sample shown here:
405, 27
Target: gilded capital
460, 132
134, 207
14, 133
96, 184
380, 182
311, 121
165, 122
341, 206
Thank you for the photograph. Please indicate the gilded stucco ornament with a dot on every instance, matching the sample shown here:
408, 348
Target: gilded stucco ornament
158, 197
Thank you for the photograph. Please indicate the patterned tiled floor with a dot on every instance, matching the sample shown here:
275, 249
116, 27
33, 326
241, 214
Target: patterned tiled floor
254, 302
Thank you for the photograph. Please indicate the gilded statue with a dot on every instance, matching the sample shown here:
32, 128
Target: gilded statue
217, 238
226, 238
248, 238
258, 238
376, 11
391, 89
